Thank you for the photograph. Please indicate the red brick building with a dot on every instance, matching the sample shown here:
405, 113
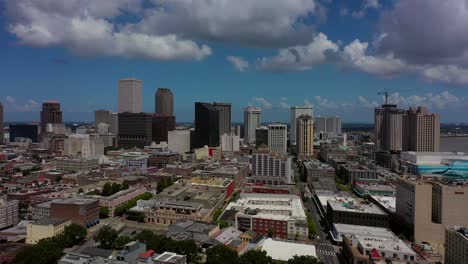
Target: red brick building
82, 211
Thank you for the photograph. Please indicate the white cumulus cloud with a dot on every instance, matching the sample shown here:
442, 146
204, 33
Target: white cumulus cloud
239, 63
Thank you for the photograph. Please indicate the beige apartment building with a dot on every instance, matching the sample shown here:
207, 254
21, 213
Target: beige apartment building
305, 136
421, 130
430, 206
456, 245
45, 228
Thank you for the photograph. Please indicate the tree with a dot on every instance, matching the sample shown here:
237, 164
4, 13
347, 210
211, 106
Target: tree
189, 248
80, 190
106, 189
304, 260
106, 237
103, 212
58, 178
125, 185
44, 252
221, 254
115, 187
75, 233
255, 257
121, 242
136, 216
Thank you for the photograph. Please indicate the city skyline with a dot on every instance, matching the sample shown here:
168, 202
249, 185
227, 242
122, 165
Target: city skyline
334, 55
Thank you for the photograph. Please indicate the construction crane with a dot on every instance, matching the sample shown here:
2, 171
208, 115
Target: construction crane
385, 94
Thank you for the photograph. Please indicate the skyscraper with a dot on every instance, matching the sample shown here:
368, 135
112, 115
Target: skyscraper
134, 130
102, 116
328, 124
261, 136
305, 136
129, 93
421, 130
278, 138
50, 114
161, 125
388, 135
224, 117
206, 125
164, 101
24, 131
1, 124
252, 120
297, 111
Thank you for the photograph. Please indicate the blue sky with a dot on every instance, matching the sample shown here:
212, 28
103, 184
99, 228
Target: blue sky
336, 55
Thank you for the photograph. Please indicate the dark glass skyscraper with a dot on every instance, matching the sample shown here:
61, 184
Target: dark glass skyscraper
164, 101
161, 125
50, 114
206, 125
134, 130
1, 124
25, 131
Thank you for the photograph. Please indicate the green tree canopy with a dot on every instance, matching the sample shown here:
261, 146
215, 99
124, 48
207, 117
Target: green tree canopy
106, 237
304, 260
121, 242
255, 257
221, 254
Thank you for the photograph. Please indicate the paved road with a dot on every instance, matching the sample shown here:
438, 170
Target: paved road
326, 251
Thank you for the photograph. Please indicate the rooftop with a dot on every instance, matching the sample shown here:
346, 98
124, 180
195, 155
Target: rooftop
354, 205
50, 221
340, 230
284, 250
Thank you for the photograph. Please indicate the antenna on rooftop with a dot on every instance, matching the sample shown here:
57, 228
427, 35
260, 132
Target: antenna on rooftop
385, 94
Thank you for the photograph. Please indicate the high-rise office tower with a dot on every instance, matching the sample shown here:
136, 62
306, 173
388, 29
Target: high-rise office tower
164, 101
421, 130
1, 124
24, 131
50, 114
224, 117
261, 136
206, 125
102, 116
388, 135
134, 130
252, 120
162, 124
114, 123
305, 136
456, 245
327, 124
129, 95
297, 111
278, 138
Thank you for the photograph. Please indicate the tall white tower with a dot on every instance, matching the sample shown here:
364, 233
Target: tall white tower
252, 120
297, 111
130, 95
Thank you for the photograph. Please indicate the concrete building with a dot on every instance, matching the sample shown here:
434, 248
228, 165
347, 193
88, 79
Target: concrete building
135, 130
114, 123
161, 125
9, 211
352, 172
75, 164
2, 136
270, 168
281, 251
230, 143
83, 146
320, 176
30, 131
281, 214
430, 206
297, 111
131, 252
102, 116
169, 258
421, 130
129, 93
451, 164
327, 125
224, 117
278, 138
388, 134
338, 231
305, 136
252, 120
119, 198
456, 245
206, 125
50, 114
355, 212
261, 136
41, 210
81, 211
45, 228
178, 140
164, 102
